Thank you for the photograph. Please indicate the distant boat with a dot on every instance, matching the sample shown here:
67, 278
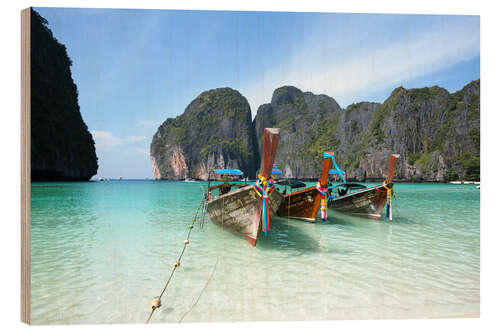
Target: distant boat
245, 210
304, 204
190, 180
357, 199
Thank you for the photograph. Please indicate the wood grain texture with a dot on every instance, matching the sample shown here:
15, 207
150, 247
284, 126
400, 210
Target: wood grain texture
366, 203
304, 204
240, 211
393, 159
25, 166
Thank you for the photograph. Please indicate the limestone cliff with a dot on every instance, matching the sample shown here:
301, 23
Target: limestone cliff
307, 123
436, 133
215, 131
62, 148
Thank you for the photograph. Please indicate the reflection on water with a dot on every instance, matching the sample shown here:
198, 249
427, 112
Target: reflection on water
102, 250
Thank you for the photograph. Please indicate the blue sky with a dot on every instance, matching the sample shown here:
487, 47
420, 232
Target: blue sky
135, 68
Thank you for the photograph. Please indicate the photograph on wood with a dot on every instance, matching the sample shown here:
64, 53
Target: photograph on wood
232, 166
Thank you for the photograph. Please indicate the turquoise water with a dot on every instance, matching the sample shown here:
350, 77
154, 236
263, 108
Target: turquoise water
102, 250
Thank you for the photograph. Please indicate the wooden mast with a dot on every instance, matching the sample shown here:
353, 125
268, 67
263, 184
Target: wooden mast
327, 165
269, 146
392, 167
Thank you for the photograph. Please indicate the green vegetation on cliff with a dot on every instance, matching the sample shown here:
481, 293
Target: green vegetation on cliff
435, 132
215, 130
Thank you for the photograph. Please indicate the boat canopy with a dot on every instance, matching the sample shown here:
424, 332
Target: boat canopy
276, 170
229, 172
336, 170
291, 183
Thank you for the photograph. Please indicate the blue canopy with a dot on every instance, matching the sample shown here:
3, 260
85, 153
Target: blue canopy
336, 170
229, 172
276, 172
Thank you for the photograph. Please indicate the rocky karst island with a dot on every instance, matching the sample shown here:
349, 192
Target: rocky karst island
435, 132
62, 147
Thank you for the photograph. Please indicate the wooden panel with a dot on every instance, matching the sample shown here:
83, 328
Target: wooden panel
271, 139
393, 159
367, 203
304, 204
300, 204
240, 211
25, 166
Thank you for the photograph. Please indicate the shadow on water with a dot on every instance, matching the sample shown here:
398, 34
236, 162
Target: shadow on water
352, 220
291, 235
339, 219
402, 219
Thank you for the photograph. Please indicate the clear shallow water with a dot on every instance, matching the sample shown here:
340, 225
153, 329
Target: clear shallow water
100, 251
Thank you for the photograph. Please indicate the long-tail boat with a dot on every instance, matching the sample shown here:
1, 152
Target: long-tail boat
357, 199
304, 204
247, 208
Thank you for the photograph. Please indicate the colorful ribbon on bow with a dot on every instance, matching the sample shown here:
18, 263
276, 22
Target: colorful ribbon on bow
388, 212
264, 187
323, 191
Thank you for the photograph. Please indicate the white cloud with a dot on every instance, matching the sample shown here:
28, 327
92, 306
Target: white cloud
136, 138
141, 151
106, 140
436, 48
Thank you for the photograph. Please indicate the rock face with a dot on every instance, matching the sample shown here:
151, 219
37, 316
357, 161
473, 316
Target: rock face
215, 131
62, 148
435, 132
307, 123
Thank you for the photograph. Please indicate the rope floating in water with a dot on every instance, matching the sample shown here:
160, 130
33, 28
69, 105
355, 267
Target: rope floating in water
156, 302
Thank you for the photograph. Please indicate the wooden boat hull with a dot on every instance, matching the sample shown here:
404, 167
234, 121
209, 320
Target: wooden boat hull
367, 203
240, 211
302, 205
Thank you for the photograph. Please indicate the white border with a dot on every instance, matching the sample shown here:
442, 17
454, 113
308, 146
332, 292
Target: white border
10, 152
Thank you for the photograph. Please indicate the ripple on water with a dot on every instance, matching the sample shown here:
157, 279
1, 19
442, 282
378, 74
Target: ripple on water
101, 251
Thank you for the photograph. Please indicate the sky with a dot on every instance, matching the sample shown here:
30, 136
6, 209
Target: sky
136, 68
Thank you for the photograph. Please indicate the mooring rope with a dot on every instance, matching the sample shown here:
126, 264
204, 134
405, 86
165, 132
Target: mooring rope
201, 292
156, 303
